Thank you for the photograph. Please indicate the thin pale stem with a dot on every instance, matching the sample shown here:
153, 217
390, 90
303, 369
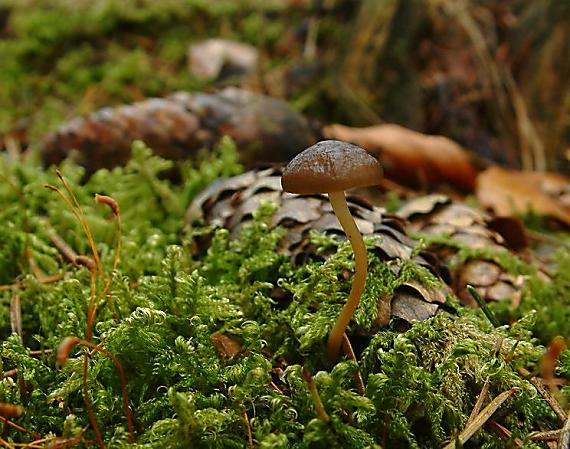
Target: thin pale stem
340, 207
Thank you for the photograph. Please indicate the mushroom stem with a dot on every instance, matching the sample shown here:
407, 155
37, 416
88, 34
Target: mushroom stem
340, 207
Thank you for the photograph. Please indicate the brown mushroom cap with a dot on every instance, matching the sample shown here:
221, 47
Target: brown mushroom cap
330, 166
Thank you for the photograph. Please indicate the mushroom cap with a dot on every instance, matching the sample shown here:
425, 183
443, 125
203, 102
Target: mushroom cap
330, 166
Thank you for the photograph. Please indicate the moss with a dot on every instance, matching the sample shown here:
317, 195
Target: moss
421, 384
501, 256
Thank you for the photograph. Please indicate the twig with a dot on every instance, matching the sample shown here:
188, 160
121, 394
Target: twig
482, 418
564, 440
20, 285
9, 373
504, 433
549, 435
20, 428
5, 443
67, 251
538, 383
347, 347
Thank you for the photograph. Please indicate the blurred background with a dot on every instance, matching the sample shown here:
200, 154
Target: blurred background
492, 75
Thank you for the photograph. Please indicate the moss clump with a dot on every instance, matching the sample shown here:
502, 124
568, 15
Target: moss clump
183, 387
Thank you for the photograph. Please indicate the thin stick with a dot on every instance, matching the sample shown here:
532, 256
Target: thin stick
5, 443
551, 400
504, 433
67, 251
20, 428
357, 376
549, 435
20, 285
564, 440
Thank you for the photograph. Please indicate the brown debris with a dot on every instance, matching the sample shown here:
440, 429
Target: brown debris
438, 215
226, 346
176, 127
508, 192
410, 157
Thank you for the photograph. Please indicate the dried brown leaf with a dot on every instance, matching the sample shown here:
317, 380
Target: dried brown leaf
225, 346
412, 157
507, 192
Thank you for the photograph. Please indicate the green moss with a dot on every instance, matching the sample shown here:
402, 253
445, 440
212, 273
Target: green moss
61, 59
501, 256
421, 385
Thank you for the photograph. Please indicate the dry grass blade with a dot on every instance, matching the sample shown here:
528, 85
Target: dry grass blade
480, 401
564, 440
16, 315
482, 418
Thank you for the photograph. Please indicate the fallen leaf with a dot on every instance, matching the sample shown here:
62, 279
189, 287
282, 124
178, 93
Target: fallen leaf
412, 157
507, 192
225, 346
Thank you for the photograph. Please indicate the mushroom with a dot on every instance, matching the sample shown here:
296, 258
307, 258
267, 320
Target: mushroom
331, 167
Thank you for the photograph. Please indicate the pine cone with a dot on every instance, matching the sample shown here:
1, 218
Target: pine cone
264, 128
231, 202
438, 215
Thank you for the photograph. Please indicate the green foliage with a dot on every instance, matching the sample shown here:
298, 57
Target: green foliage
548, 299
61, 58
184, 389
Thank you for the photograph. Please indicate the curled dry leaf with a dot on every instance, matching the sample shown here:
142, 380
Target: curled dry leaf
508, 191
412, 157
